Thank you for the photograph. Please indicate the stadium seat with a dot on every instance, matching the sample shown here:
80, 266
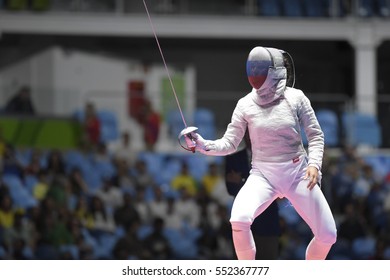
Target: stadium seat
204, 120
154, 161
292, 8
329, 123
175, 123
366, 8
30, 181
79, 115
315, 8
203, 116
363, 247
269, 8
384, 8
197, 165
21, 197
109, 126
361, 129
170, 169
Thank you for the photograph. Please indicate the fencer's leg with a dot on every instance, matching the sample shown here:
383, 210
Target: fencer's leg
312, 206
253, 198
317, 250
244, 243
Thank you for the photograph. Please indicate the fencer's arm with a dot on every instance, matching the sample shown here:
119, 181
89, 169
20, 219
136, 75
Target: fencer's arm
229, 142
314, 133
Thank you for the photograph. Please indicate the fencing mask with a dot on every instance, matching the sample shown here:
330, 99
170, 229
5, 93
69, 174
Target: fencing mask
269, 71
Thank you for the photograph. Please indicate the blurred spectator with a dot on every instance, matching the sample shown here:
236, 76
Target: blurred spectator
103, 221
130, 246
78, 185
21, 103
142, 207
125, 150
59, 191
343, 183
110, 195
41, 188
11, 165
7, 213
364, 182
122, 177
208, 224
83, 213
142, 178
85, 249
172, 216
225, 248
56, 232
156, 243
150, 121
375, 207
34, 166
188, 209
158, 205
92, 127
353, 225
126, 213
185, 180
55, 163
22, 229
212, 178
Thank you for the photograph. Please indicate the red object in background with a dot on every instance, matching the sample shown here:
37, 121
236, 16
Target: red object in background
151, 128
93, 130
136, 99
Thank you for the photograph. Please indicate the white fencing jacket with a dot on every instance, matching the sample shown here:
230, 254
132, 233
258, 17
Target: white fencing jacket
274, 129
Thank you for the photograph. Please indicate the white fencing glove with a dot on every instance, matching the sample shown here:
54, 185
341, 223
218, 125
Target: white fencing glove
203, 146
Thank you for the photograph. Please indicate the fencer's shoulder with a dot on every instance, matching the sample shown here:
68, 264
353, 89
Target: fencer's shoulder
244, 100
294, 94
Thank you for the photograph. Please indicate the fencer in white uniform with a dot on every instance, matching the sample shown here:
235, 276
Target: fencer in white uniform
281, 167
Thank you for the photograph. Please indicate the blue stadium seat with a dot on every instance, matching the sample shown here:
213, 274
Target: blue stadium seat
109, 125
21, 197
175, 123
197, 165
30, 181
384, 8
362, 129
170, 169
269, 8
292, 8
363, 248
329, 123
366, 8
204, 120
79, 115
203, 116
72, 249
154, 162
379, 164
315, 8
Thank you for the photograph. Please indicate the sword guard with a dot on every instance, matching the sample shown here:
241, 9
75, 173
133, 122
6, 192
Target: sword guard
186, 132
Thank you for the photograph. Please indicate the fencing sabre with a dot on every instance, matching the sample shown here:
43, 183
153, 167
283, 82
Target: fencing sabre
186, 132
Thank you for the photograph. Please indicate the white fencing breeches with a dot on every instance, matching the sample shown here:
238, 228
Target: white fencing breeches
269, 181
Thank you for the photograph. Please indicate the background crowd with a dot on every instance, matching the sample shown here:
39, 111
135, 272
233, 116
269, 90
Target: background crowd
119, 203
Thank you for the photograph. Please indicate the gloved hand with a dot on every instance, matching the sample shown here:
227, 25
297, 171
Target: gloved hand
190, 142
202, 145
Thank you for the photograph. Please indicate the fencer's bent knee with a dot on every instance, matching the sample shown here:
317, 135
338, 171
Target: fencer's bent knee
328, 237
240, 226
